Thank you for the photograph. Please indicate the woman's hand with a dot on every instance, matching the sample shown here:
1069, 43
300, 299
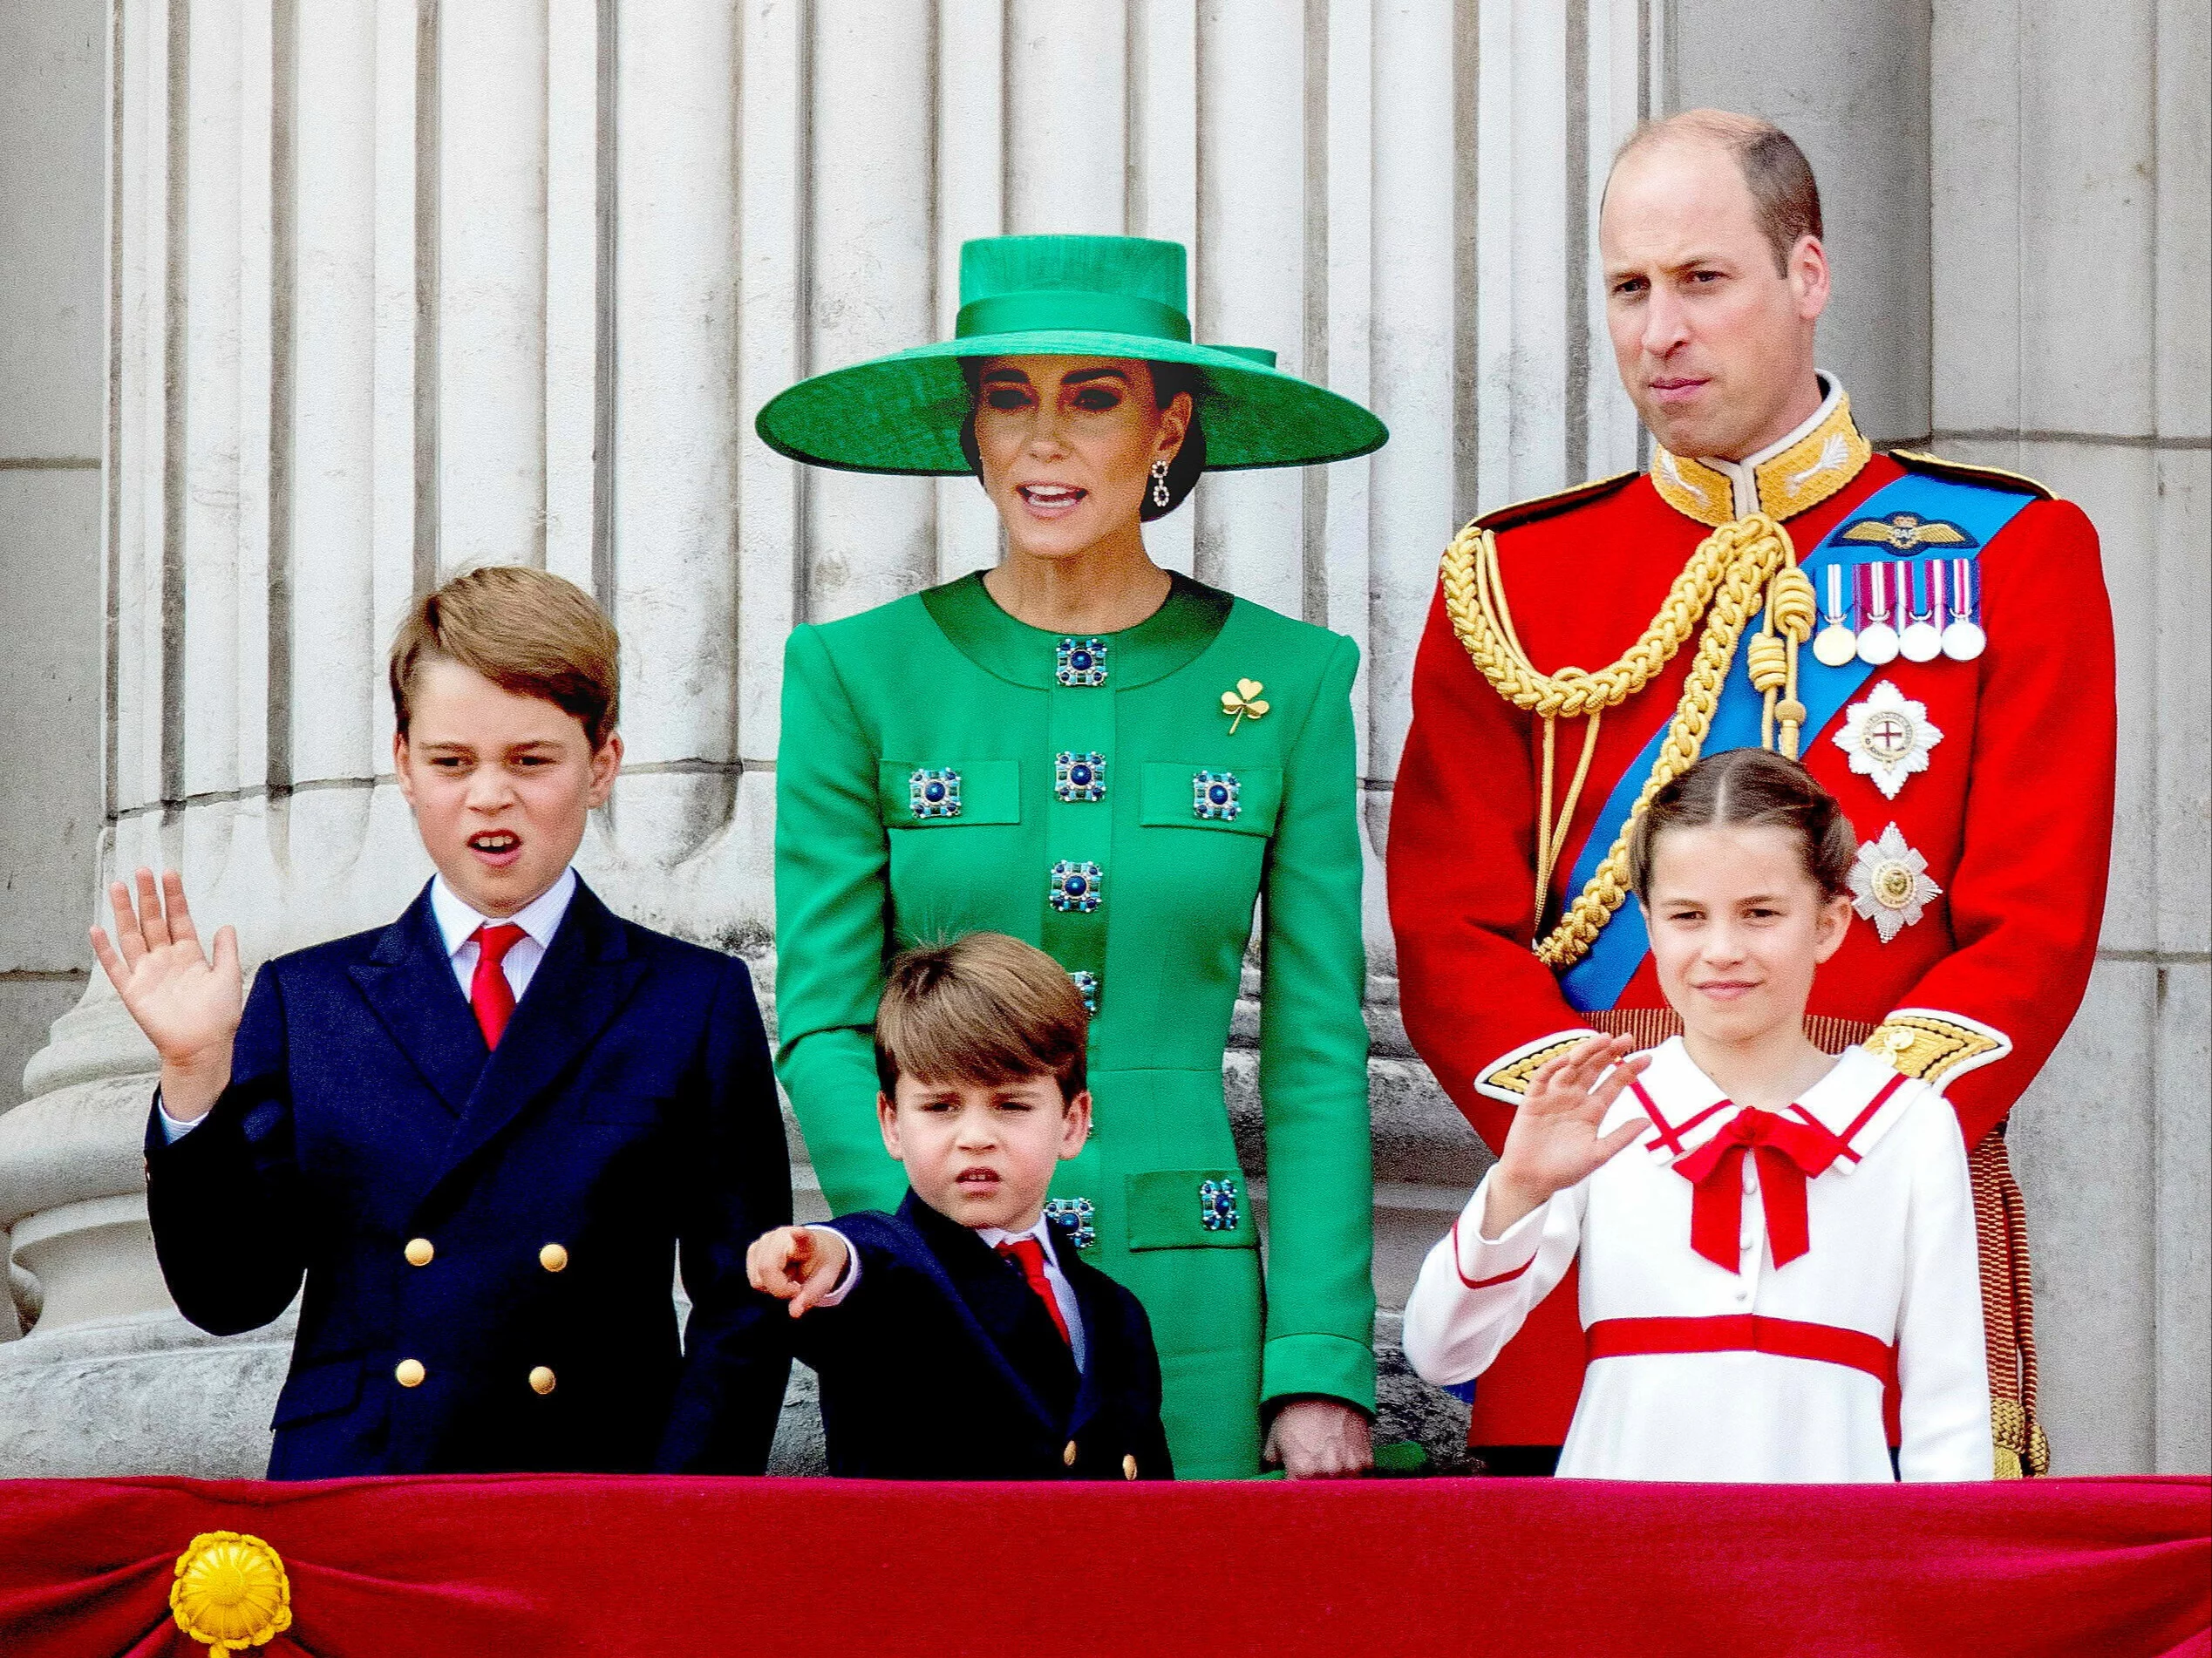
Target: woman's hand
1320, 1439
188, 1005
1554, 1142
797, 1264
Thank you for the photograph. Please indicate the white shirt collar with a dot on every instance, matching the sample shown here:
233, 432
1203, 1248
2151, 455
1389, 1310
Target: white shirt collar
1042, 1231
539, 918
1743, 475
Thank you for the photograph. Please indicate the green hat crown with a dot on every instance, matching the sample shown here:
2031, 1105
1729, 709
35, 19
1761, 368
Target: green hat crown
1106, 284
1092, 296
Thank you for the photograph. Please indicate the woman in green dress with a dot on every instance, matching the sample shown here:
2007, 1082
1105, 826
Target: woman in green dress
1115, 763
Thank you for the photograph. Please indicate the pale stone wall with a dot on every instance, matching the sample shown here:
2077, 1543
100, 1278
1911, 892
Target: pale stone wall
53, 217
387, 296
2017, 195
2071, 343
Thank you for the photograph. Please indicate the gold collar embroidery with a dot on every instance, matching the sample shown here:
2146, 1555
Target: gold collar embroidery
1798, 474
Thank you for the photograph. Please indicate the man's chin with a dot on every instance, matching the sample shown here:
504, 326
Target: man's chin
1682, 429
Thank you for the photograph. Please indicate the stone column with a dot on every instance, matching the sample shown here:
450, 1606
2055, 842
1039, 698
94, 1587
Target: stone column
397, 287
2073, 341
53, 237
2015, 194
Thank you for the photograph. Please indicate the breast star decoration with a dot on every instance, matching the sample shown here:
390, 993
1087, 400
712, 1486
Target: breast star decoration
1887, 738
1243, 702
1890, 884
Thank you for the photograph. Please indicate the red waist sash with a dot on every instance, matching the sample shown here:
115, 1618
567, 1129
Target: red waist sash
1620, 1338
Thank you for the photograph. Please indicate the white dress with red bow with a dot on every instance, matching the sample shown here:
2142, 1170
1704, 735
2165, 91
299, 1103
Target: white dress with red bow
1753, 1283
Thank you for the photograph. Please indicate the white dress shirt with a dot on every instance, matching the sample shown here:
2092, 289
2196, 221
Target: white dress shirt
1893, 1257
539, 918
1063, 1291
457, 923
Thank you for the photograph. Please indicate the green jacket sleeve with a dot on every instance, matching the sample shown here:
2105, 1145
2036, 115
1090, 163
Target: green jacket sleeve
1313, 1068
831, 899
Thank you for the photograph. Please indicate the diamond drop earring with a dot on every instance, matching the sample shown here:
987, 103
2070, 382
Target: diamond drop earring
1160, 497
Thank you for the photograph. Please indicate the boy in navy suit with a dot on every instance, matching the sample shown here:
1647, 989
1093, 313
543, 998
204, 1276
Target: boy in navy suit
483, 1134
960, 1338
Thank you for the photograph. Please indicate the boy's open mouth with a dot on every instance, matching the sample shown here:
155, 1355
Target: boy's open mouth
498, 847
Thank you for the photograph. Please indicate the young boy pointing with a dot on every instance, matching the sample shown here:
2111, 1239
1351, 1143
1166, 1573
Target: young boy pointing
480, 1135
964, 1337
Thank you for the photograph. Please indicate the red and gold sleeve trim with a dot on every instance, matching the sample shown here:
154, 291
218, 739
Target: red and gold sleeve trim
1934, 1046
1506, 1077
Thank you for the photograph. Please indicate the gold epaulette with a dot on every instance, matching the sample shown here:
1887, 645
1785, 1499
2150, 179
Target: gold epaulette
1527, 512
1961, 471
1934, 1046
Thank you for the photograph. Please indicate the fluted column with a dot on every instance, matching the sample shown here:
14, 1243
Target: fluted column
400, 286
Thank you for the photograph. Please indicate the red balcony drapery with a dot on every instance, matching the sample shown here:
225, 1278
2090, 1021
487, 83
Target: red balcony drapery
493, 1566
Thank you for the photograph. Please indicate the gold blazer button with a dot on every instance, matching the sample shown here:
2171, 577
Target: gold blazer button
409, 1373
542, 1380
1128, 1468
553, 1257
1068, 1455
421, 1252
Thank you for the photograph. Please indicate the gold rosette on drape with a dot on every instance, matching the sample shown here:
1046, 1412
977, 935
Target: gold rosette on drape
231, 1591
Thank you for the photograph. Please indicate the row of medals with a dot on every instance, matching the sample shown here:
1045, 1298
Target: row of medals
1939, 617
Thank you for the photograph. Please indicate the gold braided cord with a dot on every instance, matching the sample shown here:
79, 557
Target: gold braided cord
1725, 584
1792, 608
1475, 597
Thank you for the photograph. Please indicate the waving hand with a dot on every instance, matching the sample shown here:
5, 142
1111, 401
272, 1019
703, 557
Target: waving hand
1554, 1142
187, 1004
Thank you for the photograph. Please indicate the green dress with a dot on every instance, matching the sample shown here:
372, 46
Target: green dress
946, 769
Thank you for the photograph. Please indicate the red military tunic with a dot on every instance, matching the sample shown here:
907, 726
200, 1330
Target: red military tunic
2011, 809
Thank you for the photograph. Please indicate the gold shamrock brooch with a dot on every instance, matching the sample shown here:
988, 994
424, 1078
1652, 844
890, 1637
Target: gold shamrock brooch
1243, 702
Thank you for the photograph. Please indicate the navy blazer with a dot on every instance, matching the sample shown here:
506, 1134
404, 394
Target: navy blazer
629, 1113
943, 1363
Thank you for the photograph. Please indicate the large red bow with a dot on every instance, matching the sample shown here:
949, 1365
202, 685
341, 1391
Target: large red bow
1787, 1152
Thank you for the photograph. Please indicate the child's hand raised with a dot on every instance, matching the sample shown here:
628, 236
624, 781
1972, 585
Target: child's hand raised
188, 1005
797, 1264
1554, 1142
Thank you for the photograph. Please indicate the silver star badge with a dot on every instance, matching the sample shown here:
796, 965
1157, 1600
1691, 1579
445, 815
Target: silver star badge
1890, 884
1887, 738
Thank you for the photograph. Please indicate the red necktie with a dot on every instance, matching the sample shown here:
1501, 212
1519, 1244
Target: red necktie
1787, 1154
1029, 1255
489, 993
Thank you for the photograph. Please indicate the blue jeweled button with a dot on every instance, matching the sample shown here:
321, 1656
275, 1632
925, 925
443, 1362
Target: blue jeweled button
1086, 985
1077, 886
1076, 1217
1080, 777
1213, 796
1218, 1209
933, 793
1082, 662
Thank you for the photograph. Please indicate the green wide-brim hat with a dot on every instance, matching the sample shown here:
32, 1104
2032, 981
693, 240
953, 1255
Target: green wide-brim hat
1116, 297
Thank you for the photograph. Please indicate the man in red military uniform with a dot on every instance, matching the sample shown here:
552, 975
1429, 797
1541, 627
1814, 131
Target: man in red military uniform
1934, 641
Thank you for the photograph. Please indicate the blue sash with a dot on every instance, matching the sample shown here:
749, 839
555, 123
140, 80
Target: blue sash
1595, 982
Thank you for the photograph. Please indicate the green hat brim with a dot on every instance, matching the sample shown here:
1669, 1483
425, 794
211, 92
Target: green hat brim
904, 413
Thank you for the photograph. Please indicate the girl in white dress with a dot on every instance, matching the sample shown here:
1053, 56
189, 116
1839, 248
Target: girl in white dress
1770, 1235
